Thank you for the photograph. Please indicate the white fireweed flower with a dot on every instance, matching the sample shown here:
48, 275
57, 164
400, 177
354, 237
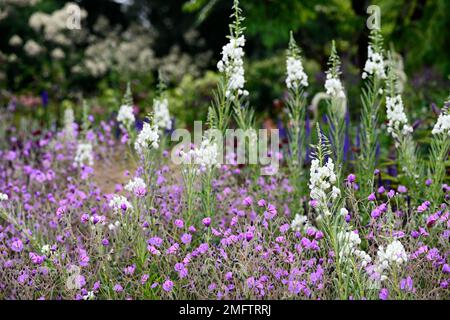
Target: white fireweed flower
3, 197
135, 184
397, 121
84, 155
442, 125
299, 222
394, 254
205, 156
374, 64
348, 242
89, 296
333, 87
126, 116
45, 249
161, 114
69, 120
343, 212
349, 246
147, 137
321, 184
118, 203
364, 257
296, 76
232, 65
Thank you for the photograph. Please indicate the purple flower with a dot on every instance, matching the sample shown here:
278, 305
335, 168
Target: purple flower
35, 258
186, 238
229, 276
381, 190
144, 278
376, 213
206, 221
402, 189
351, 178
16, 245
167, 285
428, 182
118, 288
391, 194
384, 294
446, 269
179, 223
129, 270
249, 235
247, 201
313, 203
262, 203
371, 197
407, 284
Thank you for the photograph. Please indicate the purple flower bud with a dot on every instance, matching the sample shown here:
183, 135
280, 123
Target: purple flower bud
391, 194
384, 294
446, 269
381, 190
428, 182
351, 178
313, 203
247, 201
262, 203
402, 189
206, 221
371, 197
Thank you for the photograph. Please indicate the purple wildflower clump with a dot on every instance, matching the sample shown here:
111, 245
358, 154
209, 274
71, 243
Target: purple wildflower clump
103, 209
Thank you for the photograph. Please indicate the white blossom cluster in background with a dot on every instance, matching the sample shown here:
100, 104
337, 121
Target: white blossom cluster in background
374, 64
147, 137
296, 75
394, 254
54, 25
161, 114
126, 116
334, 87
3, 197
205, 156
135, 185
442, 125
32, 48
232, 65
321, 182
349, 245
397, 121
118, 203
84, 155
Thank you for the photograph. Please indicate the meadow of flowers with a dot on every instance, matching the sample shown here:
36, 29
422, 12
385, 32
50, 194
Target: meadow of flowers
97, 209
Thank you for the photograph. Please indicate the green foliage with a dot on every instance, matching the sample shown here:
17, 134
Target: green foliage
190, 100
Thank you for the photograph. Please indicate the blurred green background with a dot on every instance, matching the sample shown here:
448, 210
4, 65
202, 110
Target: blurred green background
44, 63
